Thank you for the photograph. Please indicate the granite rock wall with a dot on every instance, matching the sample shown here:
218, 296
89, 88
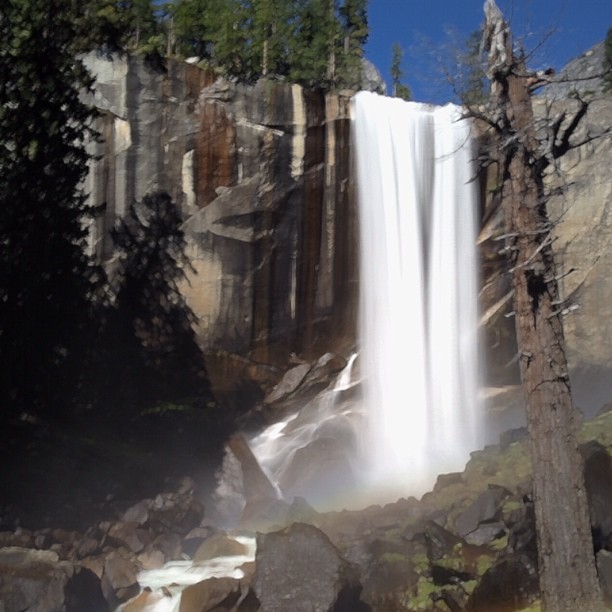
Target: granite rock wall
261, 174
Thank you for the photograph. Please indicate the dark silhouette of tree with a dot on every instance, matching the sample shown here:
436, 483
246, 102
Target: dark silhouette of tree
149, 354
568, 578
45, 275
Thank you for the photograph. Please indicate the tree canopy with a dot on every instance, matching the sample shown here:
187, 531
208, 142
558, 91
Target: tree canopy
312, 42
46, 277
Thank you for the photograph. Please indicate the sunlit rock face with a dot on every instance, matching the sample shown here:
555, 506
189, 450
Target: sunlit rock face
261, 176
582, 234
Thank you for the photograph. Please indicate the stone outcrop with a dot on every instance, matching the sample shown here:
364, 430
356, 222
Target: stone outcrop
300, 567
37, 580
261, 176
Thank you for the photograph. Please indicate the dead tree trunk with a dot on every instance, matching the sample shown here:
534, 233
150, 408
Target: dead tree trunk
568, 578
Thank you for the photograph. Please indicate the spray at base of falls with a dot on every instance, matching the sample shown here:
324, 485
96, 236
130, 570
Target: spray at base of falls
419, 412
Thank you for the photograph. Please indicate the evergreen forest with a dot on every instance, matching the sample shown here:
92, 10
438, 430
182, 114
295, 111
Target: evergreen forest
311, 42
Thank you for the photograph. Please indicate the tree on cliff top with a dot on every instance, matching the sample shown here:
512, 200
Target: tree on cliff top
568, 578
398, 89
45, 274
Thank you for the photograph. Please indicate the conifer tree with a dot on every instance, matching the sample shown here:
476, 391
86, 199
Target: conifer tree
271, 22
313, 43
45, 276
399, 90
354, 27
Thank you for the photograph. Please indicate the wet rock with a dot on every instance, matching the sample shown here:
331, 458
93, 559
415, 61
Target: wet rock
486, 533
484, 509
87, 547
511, 584
151, 559
510, 436
289, 383
37, 581
214, 593
138, 513
193, 540
604, 571
439, 541
300, 565
128, 534
389, 570
119, 581
522, 535
445, 480
16, 538
598, 482
219, 545
169, 544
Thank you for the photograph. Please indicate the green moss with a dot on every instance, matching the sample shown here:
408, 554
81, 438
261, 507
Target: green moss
421, 562
534, 607
390, 557
452, 562
483, 563
425, 588
469, 586
500, 543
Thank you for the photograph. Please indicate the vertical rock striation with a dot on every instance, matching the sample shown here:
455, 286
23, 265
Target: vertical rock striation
261, 174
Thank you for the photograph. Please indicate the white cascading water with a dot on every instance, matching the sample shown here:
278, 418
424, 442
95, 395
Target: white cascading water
419, 314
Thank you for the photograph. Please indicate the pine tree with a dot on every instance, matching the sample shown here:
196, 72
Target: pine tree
45, 276
149, 347
399, 90
272, 30
354, 33
313, 43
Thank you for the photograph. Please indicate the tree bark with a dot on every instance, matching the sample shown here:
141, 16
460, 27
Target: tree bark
568, 578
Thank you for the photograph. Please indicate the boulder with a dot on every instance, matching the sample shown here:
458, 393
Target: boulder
604, 571
598, 482
192, 541
511, 584
129, 535
219, 545
288, 383
37, 581
211, 594
484, 509
299, 569
119, 581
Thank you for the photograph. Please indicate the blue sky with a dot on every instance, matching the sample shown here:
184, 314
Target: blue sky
566, 27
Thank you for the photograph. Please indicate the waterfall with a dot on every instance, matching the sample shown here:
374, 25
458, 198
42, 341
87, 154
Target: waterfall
419, 319
418, 413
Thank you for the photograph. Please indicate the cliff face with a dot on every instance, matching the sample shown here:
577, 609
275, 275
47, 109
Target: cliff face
581, 214
261, 176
